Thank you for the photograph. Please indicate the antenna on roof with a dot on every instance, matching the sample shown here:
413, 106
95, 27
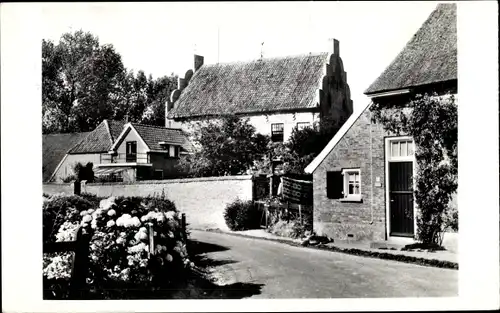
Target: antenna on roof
262, 50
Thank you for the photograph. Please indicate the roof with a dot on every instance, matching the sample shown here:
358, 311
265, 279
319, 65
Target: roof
429, 57
265, 85
54, 148
153, 135
101, 138
335, 140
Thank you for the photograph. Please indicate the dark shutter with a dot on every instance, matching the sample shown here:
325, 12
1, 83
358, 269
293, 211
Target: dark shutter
334, 185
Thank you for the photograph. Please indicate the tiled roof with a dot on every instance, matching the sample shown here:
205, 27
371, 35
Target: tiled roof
54, 148
152, 135
266, 85
100, 139
429, 57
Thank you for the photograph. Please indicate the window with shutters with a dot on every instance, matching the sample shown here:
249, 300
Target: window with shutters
352, 184
344, 185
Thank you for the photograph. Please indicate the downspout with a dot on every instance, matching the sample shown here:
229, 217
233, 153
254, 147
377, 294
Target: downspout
371, 170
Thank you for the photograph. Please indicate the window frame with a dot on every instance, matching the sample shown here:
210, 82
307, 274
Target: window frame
305, 125
278, 133
345, 173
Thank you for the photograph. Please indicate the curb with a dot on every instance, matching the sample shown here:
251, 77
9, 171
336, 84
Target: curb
353, 251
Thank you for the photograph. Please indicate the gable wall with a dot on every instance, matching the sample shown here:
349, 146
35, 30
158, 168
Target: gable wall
132, 136
338, 219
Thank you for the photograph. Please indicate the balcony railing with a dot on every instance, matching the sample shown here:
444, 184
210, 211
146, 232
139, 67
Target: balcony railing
140, 158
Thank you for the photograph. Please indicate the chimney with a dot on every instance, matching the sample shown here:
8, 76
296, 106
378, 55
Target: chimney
198, 62
126, 118
335, 47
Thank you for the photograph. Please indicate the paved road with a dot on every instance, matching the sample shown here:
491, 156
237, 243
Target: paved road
283, 271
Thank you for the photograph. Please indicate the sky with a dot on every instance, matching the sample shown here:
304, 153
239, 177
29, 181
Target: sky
161, 38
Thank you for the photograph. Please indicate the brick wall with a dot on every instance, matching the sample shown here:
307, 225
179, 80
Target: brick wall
365, 220
202, 199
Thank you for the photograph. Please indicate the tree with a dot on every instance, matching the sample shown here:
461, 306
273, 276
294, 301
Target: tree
158, 92
80, 80
301, 148
228, 146
432, 121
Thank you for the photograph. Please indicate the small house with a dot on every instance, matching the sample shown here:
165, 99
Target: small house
362, 180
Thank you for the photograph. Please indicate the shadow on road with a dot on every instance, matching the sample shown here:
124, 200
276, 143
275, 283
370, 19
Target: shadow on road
202, 287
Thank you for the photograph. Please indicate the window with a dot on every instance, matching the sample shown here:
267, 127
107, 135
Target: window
344, 185
277, 132
352, 184
302, 125
401, 148
131, 152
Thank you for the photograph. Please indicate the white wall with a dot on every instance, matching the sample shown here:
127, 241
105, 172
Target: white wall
263, 123
66, 168
132, 136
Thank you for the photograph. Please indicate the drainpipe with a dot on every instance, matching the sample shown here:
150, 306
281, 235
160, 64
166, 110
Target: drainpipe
371, 170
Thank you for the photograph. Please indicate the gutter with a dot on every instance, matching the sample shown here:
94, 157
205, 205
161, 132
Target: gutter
389, 93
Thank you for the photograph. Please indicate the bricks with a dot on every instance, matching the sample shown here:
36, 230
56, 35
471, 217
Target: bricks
366, 220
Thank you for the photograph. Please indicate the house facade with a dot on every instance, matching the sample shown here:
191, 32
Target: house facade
363, 179
90, 148
143, 152
126, 151
275, 94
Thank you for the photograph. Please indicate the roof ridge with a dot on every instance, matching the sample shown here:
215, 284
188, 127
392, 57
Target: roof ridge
306, 54
155, 126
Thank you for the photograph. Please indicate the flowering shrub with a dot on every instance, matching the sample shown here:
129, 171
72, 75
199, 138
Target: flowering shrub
120, 255
61, 208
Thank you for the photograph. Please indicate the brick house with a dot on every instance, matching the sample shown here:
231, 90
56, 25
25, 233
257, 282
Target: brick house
275, 94
362, 179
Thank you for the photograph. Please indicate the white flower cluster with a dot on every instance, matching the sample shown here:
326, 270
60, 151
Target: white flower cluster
67, 232
128, 221
142, 234
59, 267
158, 216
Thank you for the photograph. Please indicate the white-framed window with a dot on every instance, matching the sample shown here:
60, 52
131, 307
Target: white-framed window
302, 125
352, 184
277, 132
401, 148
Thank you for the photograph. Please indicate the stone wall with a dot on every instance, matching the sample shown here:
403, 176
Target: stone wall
202, 199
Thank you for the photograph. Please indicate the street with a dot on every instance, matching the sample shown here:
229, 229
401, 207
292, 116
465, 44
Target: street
278, 270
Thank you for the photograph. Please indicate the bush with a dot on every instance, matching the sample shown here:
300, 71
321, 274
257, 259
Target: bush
84, 172
58, 209
69, 179
242, 215
119, 262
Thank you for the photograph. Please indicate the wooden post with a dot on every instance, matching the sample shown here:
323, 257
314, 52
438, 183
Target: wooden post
151, 240
77, 187
300, 214
80, 265
183, 224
